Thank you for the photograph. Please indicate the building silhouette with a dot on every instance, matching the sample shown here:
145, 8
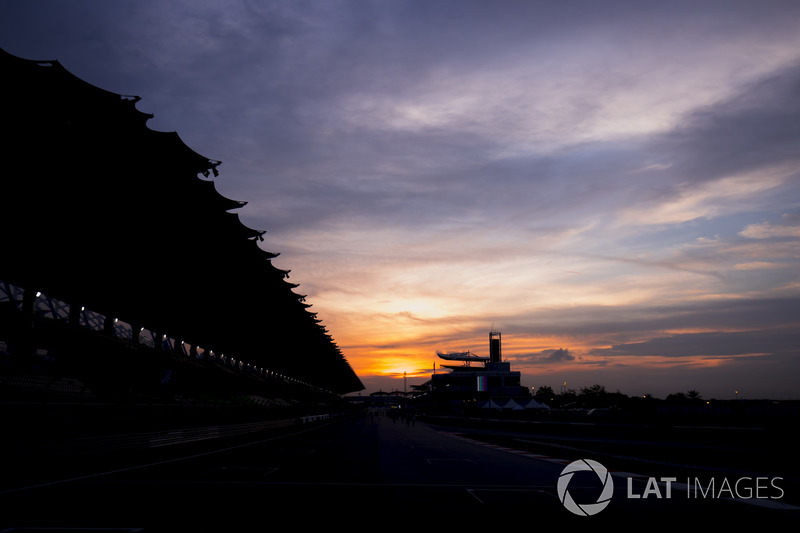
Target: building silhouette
106, 222
476, 382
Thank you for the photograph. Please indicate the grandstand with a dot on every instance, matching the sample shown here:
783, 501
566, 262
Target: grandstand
124, 272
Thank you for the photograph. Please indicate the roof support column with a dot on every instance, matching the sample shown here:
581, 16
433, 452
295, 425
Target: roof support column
108, 325
26, 330
159, 340
136, 332
74, 317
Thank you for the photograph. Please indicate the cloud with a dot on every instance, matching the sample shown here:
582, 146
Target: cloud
626, 323
765, 230
768, 342
759, 265
727, 157
560, 355
412, 135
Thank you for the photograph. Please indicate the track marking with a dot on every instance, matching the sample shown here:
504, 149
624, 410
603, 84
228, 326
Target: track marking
769, 504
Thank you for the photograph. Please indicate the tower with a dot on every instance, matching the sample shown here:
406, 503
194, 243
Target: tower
495, 355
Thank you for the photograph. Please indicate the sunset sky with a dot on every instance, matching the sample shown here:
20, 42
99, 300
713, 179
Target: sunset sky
613, 185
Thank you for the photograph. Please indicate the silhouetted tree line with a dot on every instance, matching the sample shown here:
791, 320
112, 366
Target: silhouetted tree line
596, 396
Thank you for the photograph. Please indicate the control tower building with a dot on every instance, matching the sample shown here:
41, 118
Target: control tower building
477, 378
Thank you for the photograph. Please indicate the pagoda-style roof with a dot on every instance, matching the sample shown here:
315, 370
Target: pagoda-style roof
102, 211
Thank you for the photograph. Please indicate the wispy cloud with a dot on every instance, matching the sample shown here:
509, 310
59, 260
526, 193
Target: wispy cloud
765, 230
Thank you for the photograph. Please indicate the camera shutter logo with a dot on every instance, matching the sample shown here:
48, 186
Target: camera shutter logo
587, 509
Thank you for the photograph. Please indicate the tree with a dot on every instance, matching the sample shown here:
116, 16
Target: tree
594, 396
544, 393
685, 397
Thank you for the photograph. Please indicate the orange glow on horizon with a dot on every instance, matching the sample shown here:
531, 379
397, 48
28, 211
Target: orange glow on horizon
416, 359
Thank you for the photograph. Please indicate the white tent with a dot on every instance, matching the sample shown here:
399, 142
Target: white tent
511, 404
533, 404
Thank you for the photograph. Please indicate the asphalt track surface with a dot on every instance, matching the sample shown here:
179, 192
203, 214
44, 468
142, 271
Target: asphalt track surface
378, 472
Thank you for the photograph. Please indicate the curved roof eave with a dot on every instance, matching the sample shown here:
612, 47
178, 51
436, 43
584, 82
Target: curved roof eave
174, 145
209, 189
